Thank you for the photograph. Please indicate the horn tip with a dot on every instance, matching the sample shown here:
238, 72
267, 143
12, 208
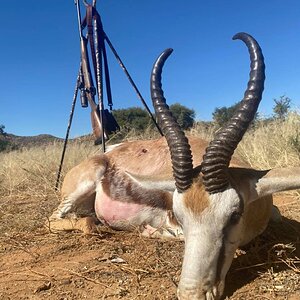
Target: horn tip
240, 35
158, 65
166, 53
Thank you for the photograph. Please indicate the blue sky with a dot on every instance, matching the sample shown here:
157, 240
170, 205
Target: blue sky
39, 56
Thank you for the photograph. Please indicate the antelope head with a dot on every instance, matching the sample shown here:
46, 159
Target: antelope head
210, 200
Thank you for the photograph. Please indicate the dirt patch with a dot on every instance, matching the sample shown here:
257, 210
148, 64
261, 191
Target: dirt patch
36, 264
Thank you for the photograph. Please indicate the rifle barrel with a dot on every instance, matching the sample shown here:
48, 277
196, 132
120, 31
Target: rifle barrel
79, 17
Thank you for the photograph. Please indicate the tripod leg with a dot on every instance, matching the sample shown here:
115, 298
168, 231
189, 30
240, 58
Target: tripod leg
68, 128
132, 82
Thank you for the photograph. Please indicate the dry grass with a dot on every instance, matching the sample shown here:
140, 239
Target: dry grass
125, 135
267, 145
272, 145
32, 172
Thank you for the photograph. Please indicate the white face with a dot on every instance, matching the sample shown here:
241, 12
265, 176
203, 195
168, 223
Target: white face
211, 239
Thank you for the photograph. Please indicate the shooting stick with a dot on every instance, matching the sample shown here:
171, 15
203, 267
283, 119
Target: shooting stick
78, 84
132, 82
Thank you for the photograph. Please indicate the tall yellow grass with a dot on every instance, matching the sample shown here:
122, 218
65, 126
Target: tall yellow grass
273, 144
32, 172
269, 144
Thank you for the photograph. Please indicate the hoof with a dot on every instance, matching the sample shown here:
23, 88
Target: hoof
87, 225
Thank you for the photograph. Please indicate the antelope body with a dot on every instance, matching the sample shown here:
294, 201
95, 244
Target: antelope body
216, 206
127, 188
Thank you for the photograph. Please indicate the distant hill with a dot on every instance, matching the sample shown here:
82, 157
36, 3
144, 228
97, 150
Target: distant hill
10, 141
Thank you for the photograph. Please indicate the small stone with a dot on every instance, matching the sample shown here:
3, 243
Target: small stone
117, 260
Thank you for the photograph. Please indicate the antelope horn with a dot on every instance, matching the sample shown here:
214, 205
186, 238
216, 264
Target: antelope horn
218, 153
181, 154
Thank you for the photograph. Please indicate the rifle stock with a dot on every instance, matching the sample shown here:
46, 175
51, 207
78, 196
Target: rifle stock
96, 125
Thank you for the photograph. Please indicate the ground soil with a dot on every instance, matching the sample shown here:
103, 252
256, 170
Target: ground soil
37, 264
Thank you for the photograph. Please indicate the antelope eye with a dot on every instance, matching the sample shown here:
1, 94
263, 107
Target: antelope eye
235, 218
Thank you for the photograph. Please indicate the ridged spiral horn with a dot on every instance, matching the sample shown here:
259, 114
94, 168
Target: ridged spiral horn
179, 147
218, 154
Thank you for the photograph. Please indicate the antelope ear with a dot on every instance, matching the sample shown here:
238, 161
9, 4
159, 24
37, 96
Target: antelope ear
256, 184
157, 182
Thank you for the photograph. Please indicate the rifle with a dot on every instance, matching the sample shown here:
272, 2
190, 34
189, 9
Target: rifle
84, 83
88, 90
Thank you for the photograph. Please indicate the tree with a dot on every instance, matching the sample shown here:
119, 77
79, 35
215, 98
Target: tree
132, 118
2, 132
222, 115
4, 143
185, 117
281, 107
138, 118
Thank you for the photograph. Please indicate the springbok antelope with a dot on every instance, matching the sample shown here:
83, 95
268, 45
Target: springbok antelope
217, 206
